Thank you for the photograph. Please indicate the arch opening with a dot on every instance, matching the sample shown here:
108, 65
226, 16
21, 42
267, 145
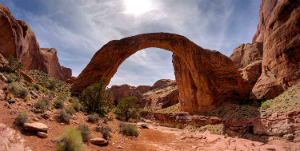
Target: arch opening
204, 78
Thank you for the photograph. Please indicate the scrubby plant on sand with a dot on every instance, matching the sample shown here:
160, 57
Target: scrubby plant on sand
64, 116
128, 129
59, 103
105, 131
17, 90
70, 110
42, 104
93, 118
127, 108
96, 98
71, 140
85, 132
22, 118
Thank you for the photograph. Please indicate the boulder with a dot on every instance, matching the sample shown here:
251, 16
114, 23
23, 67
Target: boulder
2, 95
42, 134
210, 76
36, 127
281, 55
99, 141
245, 54
34, 95
11, 101
18, 40
251, 72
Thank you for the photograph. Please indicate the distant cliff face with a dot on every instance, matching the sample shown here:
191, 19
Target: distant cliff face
265, 12
162, 94
18, 40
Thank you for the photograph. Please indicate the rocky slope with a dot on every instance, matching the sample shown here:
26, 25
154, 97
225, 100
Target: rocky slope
162, 94
18, 40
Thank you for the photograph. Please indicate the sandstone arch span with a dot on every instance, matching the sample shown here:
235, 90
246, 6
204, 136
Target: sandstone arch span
205, 78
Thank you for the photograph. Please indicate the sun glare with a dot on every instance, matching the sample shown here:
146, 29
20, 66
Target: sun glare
137, 7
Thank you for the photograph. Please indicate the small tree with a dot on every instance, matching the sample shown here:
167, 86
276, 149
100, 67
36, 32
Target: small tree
96, 98
127, 108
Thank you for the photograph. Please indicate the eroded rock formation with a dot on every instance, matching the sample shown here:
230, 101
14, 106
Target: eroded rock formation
214, 77
245, 54
265, 12
18, 40
281, 51
251, 72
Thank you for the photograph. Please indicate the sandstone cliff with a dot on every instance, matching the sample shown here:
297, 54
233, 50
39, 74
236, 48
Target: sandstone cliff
281, 50
18, 40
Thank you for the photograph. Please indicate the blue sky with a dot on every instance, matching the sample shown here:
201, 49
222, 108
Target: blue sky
79, 28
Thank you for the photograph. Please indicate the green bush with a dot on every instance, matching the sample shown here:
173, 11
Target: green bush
59, 103
93, 118
96, 98
63, 97
51, 85
265, 105
64, 116
127, 108
128, 129
105, 131
71, 140
178, 126
22, 118
23, 92
70, 110
16, 89
85, 132
42, 104
51, 94
35, 86
9, 79
13, 65
76, 106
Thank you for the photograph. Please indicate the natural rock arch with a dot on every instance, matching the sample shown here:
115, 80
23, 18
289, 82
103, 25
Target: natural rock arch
205, 78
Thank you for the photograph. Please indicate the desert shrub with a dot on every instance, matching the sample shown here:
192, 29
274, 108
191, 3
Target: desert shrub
105, 131
59, 103
85, 132
265, 105
70, 110
76, 106
93, 118
22, 118
63, 97
9, 79
225, 135
128, 129
13, 65
42, 104
23, 92
26, 98
105, 119
178, 126
127, 108
73, 99
51, 94
14, 88
71, 140
64, 116
52, 107
51, 85
96, 98
35, 86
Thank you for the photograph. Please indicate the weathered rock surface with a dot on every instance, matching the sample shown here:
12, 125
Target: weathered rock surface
99, 141
10, 140
214, 77
245, 54
42, 134
36, 127
251, 72
18, 40
281, 53
265, 12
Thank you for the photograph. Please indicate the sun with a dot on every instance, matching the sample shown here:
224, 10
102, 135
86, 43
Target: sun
137, 7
